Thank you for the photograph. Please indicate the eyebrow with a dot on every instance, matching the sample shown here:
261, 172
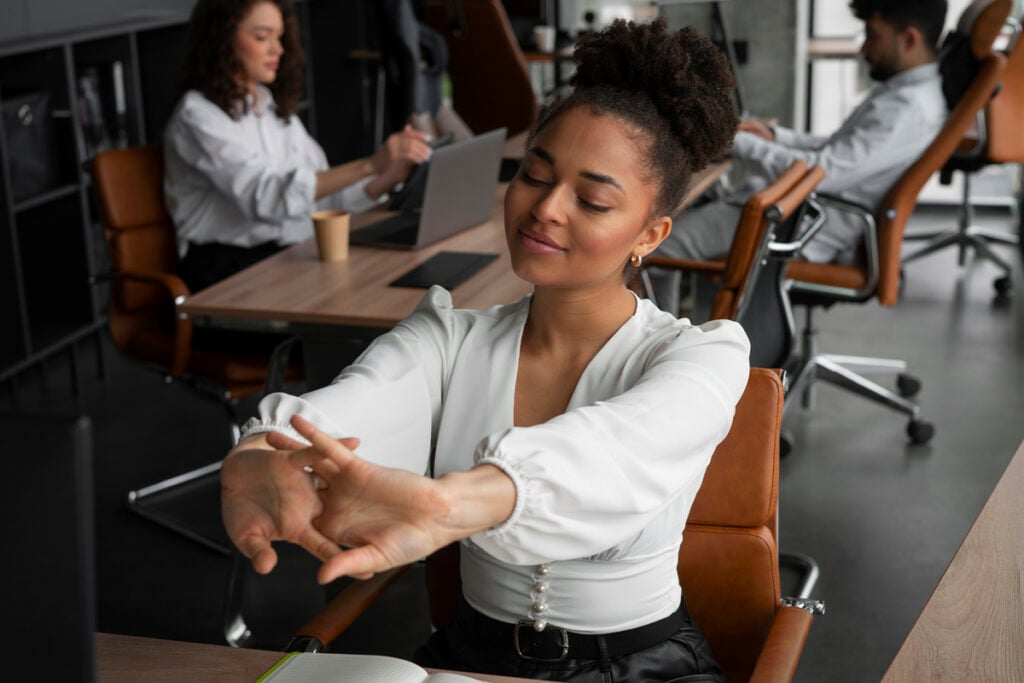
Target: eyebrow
589, 175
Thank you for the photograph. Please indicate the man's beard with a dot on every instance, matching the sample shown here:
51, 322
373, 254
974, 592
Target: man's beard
881, 72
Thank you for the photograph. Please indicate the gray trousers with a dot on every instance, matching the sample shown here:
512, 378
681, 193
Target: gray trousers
703, 232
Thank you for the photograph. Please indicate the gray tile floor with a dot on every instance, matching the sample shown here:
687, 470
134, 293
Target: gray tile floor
883, 518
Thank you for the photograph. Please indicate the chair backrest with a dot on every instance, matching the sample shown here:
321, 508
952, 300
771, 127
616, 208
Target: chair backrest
742, 264
895, 210
1004, 134
491, 84
982, 20
728, 562
140, 237
139, 231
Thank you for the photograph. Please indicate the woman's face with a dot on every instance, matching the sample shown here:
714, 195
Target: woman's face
579, 206
258, 43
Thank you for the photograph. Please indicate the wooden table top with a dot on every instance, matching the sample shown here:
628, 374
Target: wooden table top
294, 286
130, 659
972, 627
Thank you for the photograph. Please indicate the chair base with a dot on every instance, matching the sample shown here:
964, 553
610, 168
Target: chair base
845, 372
139, 501
967, 236
975, 238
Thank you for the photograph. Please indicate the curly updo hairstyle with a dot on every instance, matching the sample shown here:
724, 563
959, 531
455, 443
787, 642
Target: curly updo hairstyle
212, 68
674, 87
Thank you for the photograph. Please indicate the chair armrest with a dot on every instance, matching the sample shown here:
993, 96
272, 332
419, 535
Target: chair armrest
810, 223
782, 648
177, 291
340, 612
866, 216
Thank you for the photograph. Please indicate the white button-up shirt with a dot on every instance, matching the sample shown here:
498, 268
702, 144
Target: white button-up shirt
245, 181
602, 491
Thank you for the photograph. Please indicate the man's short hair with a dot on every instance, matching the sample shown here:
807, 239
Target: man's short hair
927, 16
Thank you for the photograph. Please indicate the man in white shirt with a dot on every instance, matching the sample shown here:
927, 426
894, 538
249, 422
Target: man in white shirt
862, 159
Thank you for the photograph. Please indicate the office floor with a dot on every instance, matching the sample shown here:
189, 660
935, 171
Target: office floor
882, 517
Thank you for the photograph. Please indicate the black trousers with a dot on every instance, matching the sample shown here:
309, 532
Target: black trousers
206, 264
683, 657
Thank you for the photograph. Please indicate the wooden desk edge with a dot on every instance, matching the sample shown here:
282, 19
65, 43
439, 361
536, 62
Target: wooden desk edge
922, 657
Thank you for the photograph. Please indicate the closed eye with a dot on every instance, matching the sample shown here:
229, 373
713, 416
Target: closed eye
590, 206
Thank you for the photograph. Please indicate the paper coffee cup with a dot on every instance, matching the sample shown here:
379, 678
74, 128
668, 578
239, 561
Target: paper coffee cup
331, 234
544, 37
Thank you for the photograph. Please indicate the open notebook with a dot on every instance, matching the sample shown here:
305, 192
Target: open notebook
307, 667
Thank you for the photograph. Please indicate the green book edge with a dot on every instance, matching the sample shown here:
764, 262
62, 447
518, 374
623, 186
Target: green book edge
281, 662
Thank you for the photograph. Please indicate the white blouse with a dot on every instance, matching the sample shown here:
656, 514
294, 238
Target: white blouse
603, 490
245, 181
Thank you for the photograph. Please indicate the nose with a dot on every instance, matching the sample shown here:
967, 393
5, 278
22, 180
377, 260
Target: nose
549, 207
277, 48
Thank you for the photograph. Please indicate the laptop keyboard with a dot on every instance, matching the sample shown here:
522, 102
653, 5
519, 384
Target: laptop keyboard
400, 229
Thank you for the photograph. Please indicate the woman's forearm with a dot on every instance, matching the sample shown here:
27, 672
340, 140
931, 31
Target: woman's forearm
479, 499
339, 177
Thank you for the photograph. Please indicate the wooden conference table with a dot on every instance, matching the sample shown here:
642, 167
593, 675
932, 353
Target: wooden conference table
130, 659
294, 288
972, 627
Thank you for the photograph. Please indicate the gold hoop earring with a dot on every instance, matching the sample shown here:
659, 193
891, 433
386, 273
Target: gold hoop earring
637, 260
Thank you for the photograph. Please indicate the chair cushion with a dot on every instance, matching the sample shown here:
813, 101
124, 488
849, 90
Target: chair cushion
831, 274
730, 579
740, 485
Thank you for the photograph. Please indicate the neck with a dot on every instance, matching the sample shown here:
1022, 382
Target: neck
577, 320
917, 59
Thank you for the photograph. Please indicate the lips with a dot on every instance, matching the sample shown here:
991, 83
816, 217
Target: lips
538, 243
272, 65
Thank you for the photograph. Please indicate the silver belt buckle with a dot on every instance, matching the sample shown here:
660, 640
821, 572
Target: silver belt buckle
563, 638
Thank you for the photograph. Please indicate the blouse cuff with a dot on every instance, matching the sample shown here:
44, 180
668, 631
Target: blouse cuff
256, 426
355, 199
518, 480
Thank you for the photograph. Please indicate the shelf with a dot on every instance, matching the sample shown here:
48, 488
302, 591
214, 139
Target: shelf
48, 196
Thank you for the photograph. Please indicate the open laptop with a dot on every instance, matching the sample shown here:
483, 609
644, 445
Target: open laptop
459, 193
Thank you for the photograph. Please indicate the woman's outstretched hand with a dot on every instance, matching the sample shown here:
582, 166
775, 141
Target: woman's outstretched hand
386, 517
402, 150
264, 498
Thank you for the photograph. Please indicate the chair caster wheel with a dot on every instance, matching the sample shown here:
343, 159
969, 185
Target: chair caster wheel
920, 431
907, 385
1002, 285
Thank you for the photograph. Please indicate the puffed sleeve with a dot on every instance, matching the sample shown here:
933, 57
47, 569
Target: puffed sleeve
598, 474
390, 398
207, 139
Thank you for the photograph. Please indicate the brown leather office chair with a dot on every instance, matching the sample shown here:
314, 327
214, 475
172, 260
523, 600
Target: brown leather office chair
491, 84
997, 139
144, 290
739, 270
728, 563
821, 285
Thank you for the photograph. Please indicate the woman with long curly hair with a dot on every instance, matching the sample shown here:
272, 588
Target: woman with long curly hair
559, 440
242, 173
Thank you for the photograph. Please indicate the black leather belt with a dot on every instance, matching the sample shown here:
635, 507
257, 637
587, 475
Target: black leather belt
555, 644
